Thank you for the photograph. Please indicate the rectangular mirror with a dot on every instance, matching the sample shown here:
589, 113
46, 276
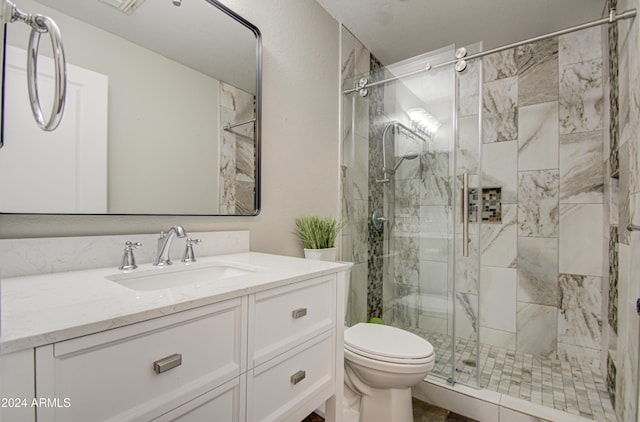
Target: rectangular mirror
162, 114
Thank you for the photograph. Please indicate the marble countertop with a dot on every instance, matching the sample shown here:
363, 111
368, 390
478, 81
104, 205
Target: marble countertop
47, 308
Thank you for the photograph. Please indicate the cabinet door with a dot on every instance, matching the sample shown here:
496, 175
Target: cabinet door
142, 371
225, 403
17, 387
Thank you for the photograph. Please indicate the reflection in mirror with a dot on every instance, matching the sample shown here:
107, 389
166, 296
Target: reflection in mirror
162, 117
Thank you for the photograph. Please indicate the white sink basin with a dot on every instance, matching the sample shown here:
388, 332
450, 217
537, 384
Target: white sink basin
178, 275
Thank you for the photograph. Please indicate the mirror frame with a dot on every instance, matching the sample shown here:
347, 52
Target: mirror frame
3, 36
258, 123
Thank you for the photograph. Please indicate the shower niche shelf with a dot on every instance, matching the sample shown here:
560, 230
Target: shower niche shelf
491, 205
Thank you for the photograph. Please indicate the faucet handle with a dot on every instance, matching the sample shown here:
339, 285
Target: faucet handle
128, 261
188, 255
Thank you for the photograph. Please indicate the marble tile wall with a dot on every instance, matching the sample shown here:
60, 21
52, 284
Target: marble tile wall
611, 378
376, 253
543, 144
612, 308
612, 162
237, 152
363, 123
614, 120
624, 206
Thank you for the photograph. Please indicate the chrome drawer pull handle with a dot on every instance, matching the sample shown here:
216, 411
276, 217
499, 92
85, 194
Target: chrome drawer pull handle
299, 313
297, 377
167, 363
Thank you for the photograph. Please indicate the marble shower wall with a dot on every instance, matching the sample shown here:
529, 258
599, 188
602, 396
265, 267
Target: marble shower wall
623, 207
237, 152
376, 266
542, 272
355, 60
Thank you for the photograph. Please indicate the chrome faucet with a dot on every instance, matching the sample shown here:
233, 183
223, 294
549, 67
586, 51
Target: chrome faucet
164, 244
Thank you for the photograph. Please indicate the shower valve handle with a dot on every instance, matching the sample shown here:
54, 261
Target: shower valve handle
378, 219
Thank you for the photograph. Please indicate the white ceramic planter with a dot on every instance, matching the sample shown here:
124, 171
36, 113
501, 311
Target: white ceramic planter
328, 254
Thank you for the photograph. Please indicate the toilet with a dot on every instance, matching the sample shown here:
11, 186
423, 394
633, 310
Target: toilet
382, 363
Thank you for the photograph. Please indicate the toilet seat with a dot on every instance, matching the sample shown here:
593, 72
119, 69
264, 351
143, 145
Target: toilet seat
387, 344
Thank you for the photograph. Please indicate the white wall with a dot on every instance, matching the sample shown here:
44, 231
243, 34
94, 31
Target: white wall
300, 149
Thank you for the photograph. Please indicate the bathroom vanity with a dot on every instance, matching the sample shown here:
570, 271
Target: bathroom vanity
248, 336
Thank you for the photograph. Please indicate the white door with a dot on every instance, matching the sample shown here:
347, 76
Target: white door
64, 171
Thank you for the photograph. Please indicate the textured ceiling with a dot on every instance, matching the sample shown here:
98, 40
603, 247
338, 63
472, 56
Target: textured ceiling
394, 30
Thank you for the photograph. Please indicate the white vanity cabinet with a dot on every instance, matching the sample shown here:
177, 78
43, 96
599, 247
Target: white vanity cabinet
17, 390
142, 371
267, 346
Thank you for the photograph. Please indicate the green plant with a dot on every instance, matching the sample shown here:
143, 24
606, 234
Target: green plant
318, 232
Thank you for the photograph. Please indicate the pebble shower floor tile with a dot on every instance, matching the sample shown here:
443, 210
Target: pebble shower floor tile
579, 390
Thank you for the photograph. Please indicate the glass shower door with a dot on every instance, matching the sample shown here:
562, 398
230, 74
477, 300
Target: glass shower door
470, 198
419, 138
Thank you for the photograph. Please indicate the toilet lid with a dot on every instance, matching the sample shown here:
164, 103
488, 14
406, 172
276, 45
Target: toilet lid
386, 341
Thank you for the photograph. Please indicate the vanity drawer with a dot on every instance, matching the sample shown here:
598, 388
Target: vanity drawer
141, 371
280, 389
290, 315
224, 403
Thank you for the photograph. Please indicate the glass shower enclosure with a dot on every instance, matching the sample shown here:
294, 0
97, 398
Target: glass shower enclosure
413, 202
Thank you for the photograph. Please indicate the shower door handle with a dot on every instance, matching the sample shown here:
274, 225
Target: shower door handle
465, 214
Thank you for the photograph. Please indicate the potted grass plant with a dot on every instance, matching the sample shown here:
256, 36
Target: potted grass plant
319, 236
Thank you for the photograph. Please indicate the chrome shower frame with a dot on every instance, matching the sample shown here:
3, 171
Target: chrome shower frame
461, 59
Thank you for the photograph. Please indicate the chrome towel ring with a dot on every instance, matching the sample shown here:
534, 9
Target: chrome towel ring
42, 24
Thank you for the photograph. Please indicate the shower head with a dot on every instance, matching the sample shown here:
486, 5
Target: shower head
396, 127
409, 156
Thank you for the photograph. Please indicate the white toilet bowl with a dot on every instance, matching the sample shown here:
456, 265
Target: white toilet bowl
382, 363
